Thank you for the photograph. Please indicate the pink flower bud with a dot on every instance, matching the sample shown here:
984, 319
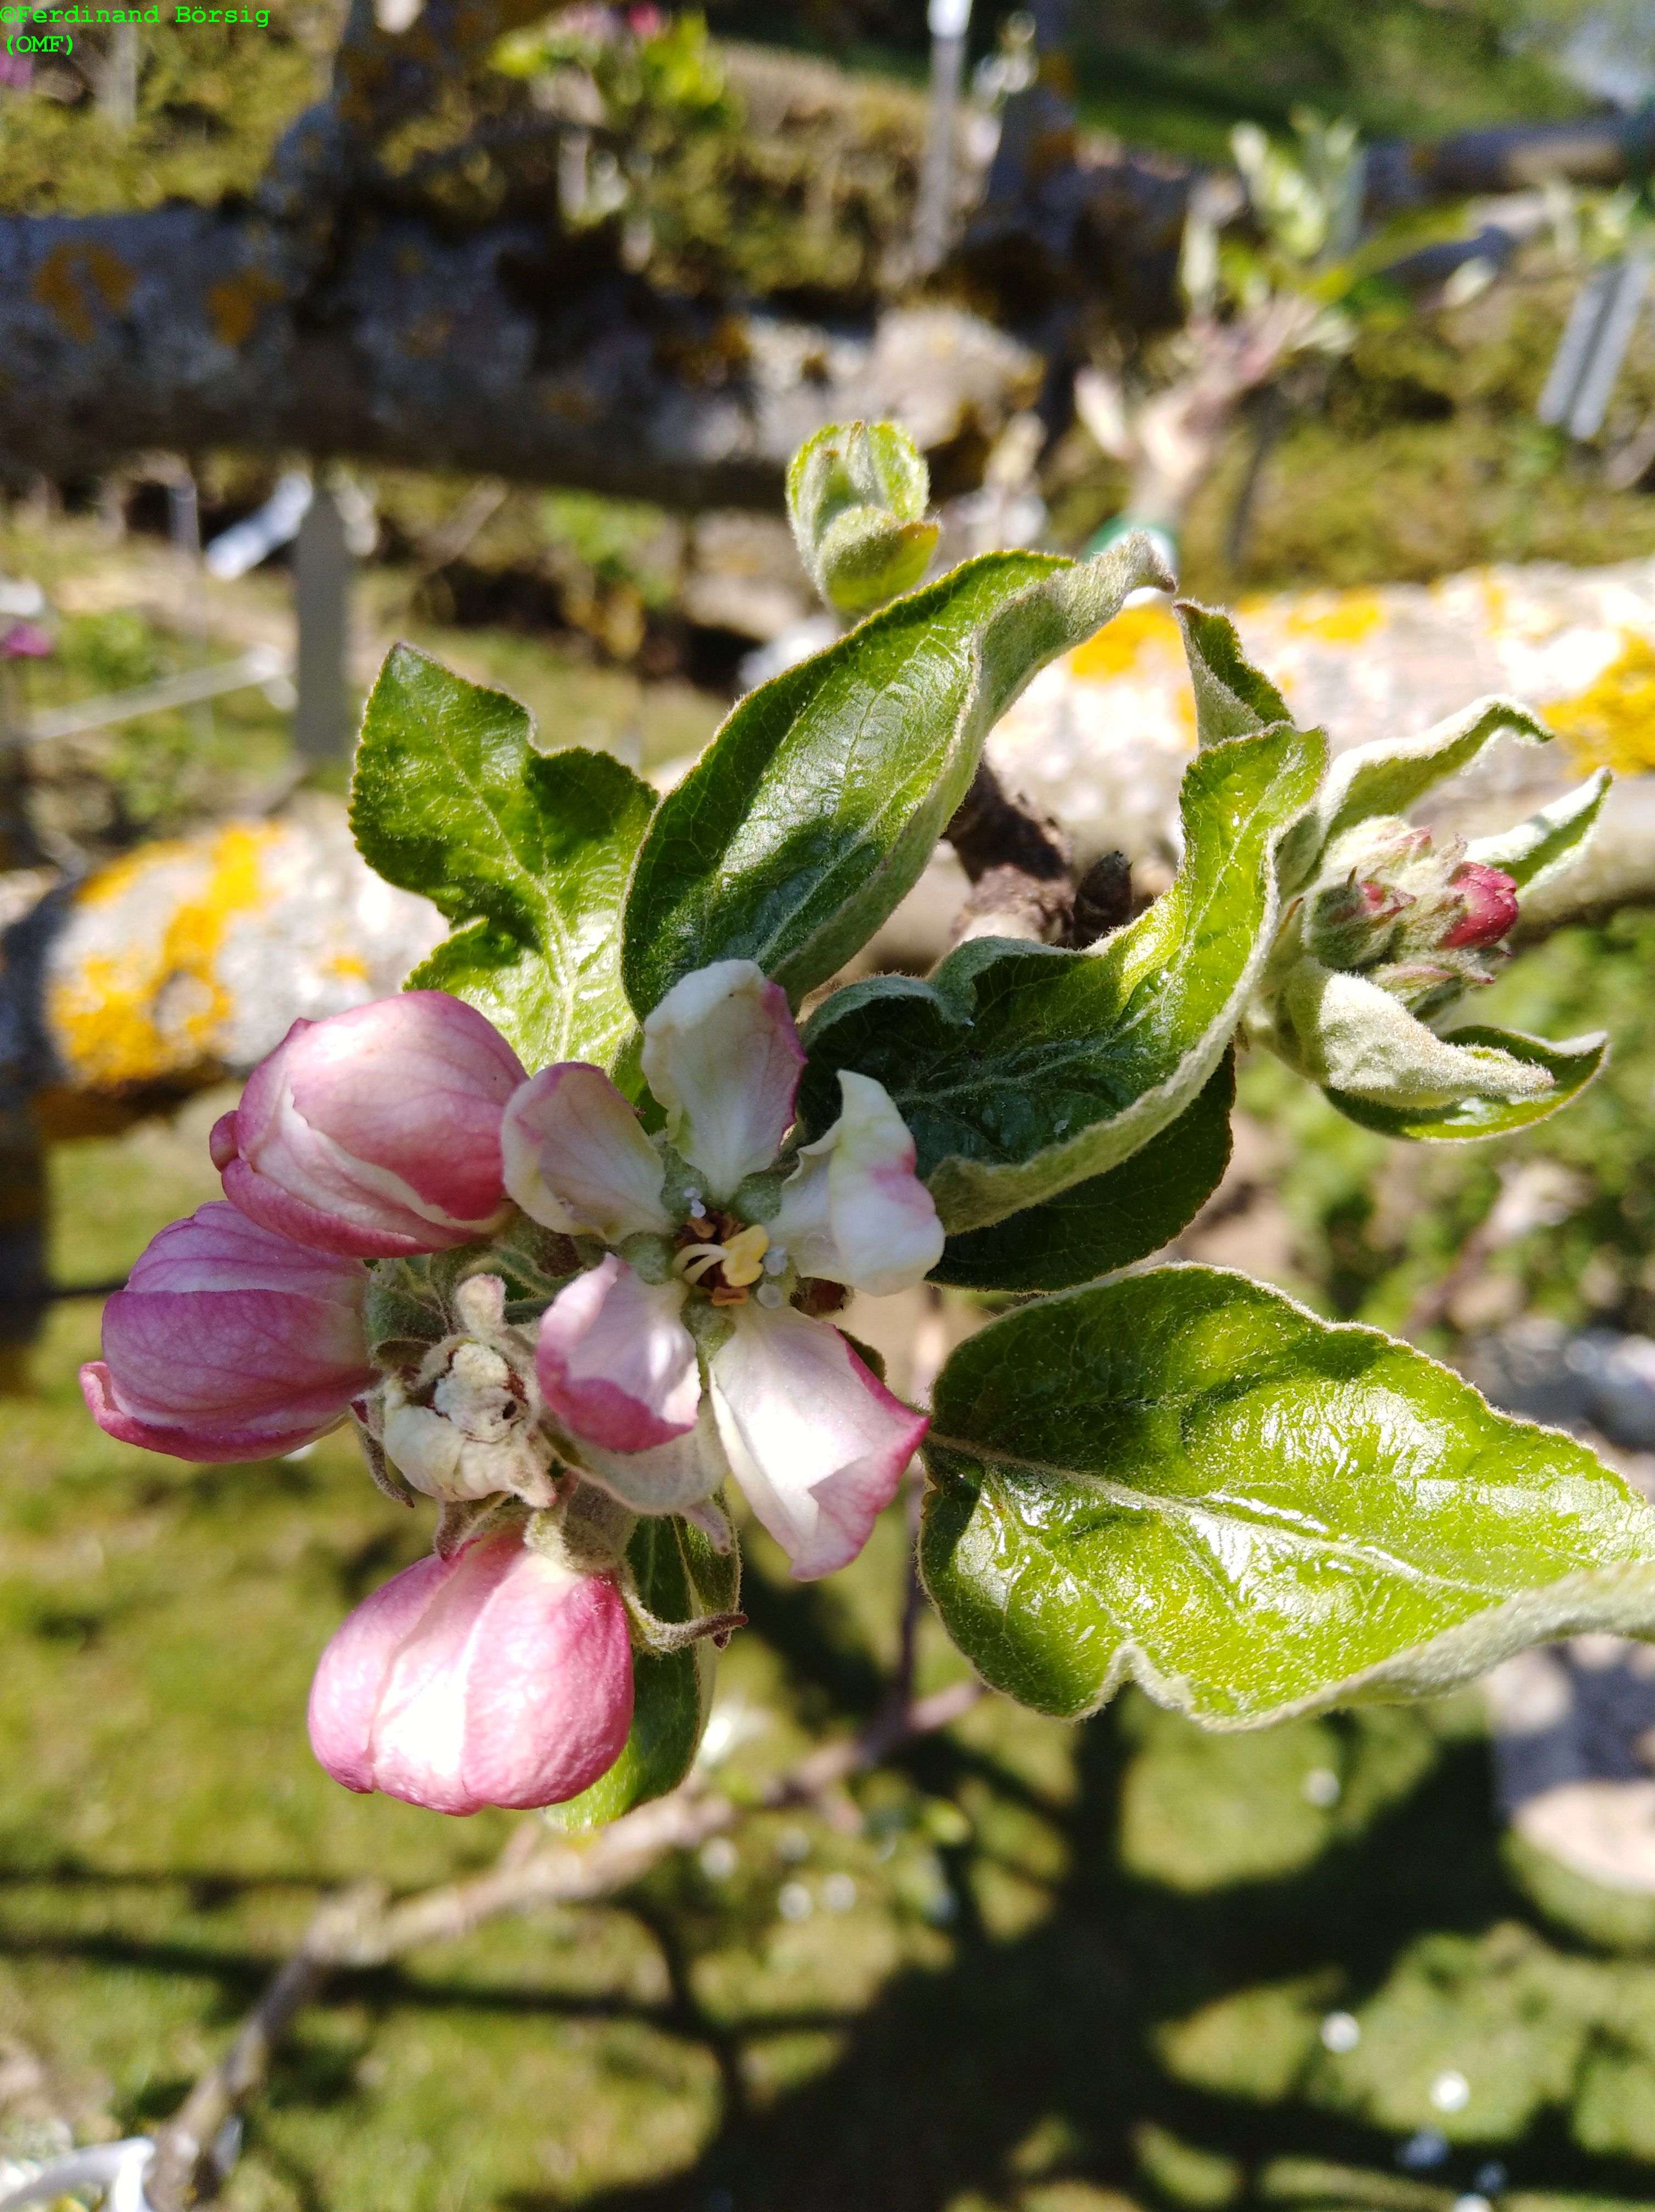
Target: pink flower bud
497, 1677
375, 1133
1490, 897
229, 1343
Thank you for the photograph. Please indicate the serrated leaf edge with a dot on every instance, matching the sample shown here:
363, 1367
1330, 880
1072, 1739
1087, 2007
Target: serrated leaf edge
1618, 1599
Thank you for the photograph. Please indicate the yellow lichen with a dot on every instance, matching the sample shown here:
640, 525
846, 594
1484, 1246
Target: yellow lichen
1118, 647
1611, 724
1353, 616
153, 1005
236, 302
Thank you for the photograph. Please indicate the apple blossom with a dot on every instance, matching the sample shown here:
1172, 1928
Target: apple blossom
376, 1132
680, 1356
229, 1342
498, 1676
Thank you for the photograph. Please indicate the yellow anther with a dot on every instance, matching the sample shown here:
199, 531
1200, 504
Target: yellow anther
743, 1256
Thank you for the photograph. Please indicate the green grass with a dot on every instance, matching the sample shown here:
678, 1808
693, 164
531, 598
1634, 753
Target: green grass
1082, 1968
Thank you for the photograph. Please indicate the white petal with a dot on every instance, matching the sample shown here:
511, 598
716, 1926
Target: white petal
855, 1212
721, 1055
575, 1158
668, 1478
816, 1441
614, 1361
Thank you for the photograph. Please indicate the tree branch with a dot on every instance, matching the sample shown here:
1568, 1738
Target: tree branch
359, 1929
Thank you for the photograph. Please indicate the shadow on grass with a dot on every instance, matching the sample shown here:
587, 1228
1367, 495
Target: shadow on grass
948, 2074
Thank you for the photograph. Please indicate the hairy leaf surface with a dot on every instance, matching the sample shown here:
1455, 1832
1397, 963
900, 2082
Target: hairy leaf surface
1185, 1480
1022, 1070
530, 852
1110, 1220
1572, 1065
814, 809
1232, 697
1549, 841
1389, 776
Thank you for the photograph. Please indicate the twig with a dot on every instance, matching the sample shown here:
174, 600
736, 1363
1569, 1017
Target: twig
358, 1928
1019, 861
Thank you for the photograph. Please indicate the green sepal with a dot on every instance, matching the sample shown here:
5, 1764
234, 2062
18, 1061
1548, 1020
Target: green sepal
1572, 1065
679, 1577
1110, 1220
1185, 1480
1022, 1070
815, 809
527, 852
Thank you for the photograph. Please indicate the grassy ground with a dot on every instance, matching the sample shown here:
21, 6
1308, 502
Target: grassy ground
1048, 1968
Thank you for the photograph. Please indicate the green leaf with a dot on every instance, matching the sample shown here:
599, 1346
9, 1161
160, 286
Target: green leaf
1110, 1220
1387, 776
1185, 1480
679, 1575
816, 807
1232, 697
1022, 1070
1571, 1065
1549, 841
530, 851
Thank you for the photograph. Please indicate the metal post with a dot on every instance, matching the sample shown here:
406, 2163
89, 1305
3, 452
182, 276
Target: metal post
949, 20
322, 581
183, 524
1587, 364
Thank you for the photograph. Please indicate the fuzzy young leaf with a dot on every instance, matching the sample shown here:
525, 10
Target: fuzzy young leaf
1571, 1066
1232, 697
1022, 1070
816, 808
1387, 776
529, 852
679, 1577
1349, 1036
856, 499
1110, 1220
1185, 1480
1549, 841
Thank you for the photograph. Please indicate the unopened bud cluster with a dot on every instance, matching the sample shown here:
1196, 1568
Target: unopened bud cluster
1414, 916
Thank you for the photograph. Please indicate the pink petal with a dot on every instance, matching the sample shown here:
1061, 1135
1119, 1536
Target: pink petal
615, 1363
816, 1441
213, 1446
669, 1478
375, 1133
722, 1056
576, 1159
552, 1703
495, 1677
855, 1212
345, 1695
229, 1343
1491, 907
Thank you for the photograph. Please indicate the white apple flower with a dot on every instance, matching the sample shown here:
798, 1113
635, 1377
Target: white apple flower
681, 1356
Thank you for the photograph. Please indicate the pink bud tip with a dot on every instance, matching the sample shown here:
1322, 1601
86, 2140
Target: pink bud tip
496, 1677
1490, 897
375, 1134
26, 641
